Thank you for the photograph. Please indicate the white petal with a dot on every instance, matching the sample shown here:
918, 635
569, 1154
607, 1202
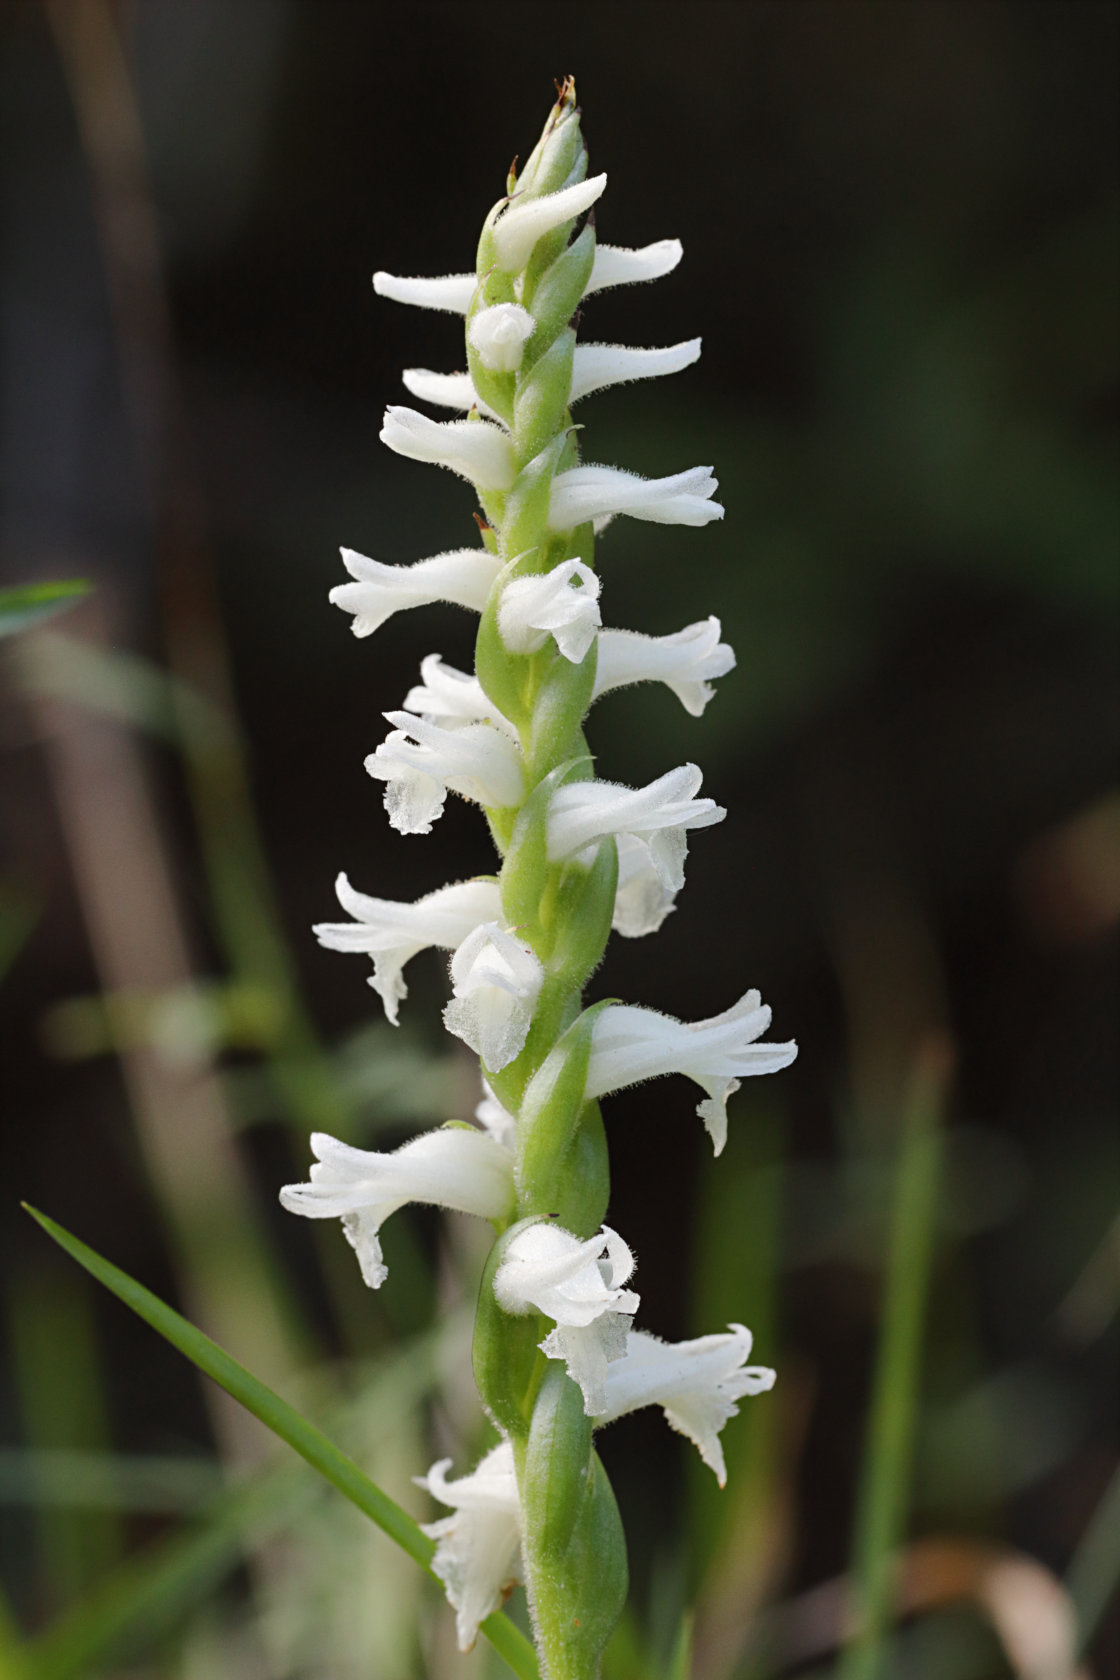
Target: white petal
499, 334
446, 390
476, 449
528, 219
496, 981
688, 661
574, 1282
642, 901
615, 265
451, 697
588, 1353
582, 813
419, 762
464, 576
499, 1122
452, 292
599, 493
631, 1044
477, 1553
563, 603
696, 1383
453, 1167
595, 366
391, 932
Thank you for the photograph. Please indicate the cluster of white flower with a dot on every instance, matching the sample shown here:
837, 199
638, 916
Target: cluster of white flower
449, 737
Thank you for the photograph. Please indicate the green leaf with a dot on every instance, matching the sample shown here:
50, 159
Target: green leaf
283, 1419
30, 603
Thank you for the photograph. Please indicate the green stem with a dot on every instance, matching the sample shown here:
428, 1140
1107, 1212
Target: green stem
886, 1467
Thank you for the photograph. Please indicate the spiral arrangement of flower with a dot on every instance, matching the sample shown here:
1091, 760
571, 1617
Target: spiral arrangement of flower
555, 1353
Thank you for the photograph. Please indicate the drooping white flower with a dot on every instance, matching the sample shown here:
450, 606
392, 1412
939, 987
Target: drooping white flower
447, 390
451, 698
392, 933
476, 449
599, 493
452, 1167
629, 1044
617, 265
614, 265
688, 661
452, 292
525, 220
642, 900
463, 576
580, 814
478, 1552
499, 335
579, 1286
496, 980
563, 603
419, 762
498, 1121
595, 366
695, 1383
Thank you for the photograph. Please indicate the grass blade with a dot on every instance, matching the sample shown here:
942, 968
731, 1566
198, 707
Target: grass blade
886, 1469
283, 1419
30, 603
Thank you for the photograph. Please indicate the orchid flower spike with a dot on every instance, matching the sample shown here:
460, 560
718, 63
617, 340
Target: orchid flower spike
658, 816
464, 577
579, 1286
454, 1167
695, 1383
419, 762
563, 603
630, 1044
478, 1550
392, 933
688, 662
496, 980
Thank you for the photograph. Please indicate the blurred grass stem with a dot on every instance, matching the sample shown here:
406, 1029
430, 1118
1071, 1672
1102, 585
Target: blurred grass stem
884, 1485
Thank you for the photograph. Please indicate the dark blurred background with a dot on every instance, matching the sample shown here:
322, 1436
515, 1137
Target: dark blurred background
900, 231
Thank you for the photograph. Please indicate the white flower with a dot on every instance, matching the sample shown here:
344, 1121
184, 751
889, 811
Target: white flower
630, 1044
598, 493
475, 449
499, 334
642, 900
695, 1383
614, 265
563, 603
451, 698
496, 980
579, 1286
595, 366
525, 220
452, 292
419, 762
499, 1122
659, 815
391, 932
447, 390
478, 1552
452, 1167
464, 576
688, 661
